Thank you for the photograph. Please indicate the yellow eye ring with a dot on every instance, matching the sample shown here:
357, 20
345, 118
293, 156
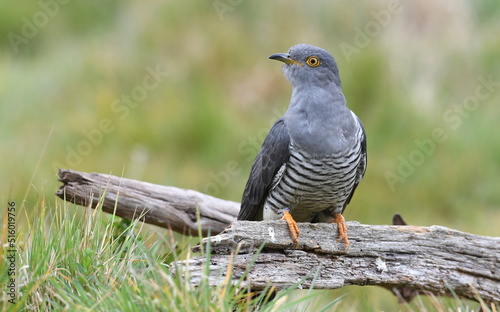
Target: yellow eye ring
313, 61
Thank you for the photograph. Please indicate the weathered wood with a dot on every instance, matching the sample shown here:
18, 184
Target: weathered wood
164, 206
434, 259
405, 259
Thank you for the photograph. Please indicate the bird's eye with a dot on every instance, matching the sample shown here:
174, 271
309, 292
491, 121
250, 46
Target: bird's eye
313, 61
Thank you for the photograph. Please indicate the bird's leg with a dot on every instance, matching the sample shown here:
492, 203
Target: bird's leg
339, 219
292, 225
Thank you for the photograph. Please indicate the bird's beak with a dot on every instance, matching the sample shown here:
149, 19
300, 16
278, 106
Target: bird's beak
285, 58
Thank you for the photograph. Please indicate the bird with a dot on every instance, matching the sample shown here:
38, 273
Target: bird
314, 156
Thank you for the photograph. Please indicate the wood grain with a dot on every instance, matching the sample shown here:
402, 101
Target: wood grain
430, 259
408, 260
164, 206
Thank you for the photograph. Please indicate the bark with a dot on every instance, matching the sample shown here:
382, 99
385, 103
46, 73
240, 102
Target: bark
432, 259
405, 259
164, 206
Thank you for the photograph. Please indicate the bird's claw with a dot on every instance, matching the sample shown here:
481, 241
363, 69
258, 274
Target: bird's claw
339, 219
294, 228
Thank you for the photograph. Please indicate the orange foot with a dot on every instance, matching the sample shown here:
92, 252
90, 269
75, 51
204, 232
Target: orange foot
292, 225
339, 219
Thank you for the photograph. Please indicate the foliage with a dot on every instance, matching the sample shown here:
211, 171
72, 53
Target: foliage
95, 263
64, 88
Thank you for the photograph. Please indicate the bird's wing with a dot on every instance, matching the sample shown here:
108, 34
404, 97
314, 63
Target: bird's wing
274, 153
360, 171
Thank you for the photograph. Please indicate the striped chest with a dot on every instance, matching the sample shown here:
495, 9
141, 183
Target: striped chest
309, 185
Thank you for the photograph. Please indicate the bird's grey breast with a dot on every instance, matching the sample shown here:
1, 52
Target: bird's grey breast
320, 126
324, 155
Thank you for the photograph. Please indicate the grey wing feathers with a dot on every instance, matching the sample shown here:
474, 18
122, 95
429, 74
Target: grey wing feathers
360, 172
274, 153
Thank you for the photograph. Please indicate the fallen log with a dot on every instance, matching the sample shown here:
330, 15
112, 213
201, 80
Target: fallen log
165, 206
432, 259
405, 259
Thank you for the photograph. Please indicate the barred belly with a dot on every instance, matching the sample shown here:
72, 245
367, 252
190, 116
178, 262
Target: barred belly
313, 189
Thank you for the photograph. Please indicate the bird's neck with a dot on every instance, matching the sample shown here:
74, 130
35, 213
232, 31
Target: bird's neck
315, 116
318, 100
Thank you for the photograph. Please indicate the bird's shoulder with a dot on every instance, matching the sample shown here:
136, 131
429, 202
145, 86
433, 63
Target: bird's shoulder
274, 153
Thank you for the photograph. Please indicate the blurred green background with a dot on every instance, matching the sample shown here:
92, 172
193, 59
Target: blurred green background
77, 91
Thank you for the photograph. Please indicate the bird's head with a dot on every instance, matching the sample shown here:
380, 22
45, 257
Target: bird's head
308, 65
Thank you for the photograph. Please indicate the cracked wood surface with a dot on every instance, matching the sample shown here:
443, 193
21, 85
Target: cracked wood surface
164, 206
407, 260
430, 259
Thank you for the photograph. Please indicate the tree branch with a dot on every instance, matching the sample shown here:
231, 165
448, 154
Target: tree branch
167, 207
405, 259
434, 259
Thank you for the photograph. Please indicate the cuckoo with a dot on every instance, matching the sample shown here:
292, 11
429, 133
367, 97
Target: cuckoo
314, 156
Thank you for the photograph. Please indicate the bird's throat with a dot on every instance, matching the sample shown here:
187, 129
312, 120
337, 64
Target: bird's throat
317, 122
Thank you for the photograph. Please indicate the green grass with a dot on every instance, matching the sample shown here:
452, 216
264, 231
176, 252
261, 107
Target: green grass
103, 263
221, 96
